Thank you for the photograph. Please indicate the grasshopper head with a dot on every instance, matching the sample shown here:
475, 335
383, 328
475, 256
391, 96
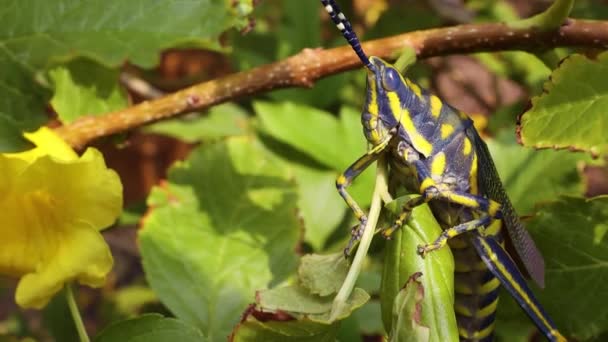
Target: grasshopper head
386, 93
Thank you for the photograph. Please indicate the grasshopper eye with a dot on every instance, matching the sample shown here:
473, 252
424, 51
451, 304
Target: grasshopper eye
390, 79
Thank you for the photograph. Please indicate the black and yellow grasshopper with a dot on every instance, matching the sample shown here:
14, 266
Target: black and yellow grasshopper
455, 174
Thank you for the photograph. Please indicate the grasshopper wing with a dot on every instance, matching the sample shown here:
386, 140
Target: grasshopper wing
491, 186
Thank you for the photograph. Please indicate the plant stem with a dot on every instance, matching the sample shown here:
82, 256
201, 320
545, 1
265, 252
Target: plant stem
550, 19
69, 295
372, 220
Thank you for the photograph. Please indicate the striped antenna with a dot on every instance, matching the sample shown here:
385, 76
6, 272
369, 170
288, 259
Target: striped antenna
347, 30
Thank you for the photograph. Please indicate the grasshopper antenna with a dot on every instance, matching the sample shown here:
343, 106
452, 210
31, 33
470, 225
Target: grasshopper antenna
347, 30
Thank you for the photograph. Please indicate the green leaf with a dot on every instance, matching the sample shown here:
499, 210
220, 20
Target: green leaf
334, 142
253, 330
571, 114
224, 226
21, 103
407, 313
83, 87
320, 205
220, 121
150, 328
41, 32
322, 274
531, 176
571, 233
300, 303
369, 319
437, 268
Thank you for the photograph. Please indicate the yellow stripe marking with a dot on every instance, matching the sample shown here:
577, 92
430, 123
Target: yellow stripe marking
403, 115
524, 295
341, 180
438, 165
473, 176
446, 130
373, 105
485, 332
426, 183
415, 88
466, 150
477, 335
463, 310
463, 200
372, 108
488, 310
493, 208
436, 105
489, 286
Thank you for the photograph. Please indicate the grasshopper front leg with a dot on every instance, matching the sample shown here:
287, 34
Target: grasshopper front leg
346, 179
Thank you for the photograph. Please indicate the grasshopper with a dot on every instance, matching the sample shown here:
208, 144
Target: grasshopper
455, 174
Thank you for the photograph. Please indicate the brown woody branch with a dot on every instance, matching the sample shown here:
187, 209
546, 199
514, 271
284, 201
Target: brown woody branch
303, 69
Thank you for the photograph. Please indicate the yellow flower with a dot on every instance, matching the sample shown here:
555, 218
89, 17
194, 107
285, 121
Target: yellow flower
53, 204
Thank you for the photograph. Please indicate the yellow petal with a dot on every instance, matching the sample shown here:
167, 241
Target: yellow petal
52, 206
82, 255
47, 143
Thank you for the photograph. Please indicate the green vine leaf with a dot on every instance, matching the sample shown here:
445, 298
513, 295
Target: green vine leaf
333, 142
571, 233
222, 227
323, 274
83, 87
150, 328
571, 114
301, 304
279, 328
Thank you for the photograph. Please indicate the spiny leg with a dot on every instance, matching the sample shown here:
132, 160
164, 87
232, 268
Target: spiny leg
406, 210
449, 233
347, 177
430, 190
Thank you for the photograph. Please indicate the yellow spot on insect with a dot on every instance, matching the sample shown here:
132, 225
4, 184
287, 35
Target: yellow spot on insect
438, 164
493, 208
341, 180
466, 149
446, 130
500, 267
436, 105
403, 115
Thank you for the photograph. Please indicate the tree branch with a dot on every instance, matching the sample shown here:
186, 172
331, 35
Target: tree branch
303, 69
